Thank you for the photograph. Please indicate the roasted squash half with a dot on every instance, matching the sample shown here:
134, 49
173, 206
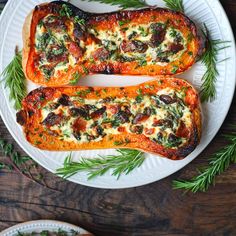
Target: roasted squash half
63, 43
161, 117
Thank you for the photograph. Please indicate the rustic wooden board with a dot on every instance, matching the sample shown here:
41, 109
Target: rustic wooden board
154, 209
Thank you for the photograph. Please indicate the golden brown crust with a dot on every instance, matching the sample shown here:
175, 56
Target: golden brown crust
30, 118
109, 21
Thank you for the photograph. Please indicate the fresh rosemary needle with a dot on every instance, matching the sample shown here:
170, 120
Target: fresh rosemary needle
1, 8
209, 59
15, 80
175, 5
123, 3
219, 162
21, 164
123, 163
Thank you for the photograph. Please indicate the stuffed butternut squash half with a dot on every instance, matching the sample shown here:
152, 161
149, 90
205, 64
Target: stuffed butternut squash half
62, 43
161, 117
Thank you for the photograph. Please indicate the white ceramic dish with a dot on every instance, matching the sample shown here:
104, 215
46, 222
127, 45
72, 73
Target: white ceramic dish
154, 168
38, 226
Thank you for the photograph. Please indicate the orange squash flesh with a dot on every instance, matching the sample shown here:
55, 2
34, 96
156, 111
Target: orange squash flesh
44, 135
151, 51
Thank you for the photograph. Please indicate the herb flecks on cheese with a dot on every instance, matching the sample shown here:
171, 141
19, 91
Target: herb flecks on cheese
157, 43
63, 41
57, 45
158, 117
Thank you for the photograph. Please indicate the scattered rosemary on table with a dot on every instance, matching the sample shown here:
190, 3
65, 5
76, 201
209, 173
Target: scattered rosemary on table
175, 5
123, 3
14, 79
24, 165
219, 162
126, 160
14, 161
123, 163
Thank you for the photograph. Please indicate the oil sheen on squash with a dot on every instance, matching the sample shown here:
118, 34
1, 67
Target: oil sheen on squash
160, 116
142, 42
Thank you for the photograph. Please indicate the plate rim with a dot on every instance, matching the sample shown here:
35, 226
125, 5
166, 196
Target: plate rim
96, 185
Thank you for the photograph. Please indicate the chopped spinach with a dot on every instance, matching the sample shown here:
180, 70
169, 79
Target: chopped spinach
48, 72
174, 69
143, 32
77, 20
83, 93
139, 98
76, 76
123, 22
142, 62
66, 11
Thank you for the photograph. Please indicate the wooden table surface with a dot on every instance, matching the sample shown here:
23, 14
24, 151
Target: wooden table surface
154, 209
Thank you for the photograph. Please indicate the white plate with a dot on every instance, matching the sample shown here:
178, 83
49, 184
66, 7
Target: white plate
38, 226
154, 168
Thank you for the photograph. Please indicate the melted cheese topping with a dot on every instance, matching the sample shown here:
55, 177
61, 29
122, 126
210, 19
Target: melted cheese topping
52, 44
112, 41
158, 117
142, 33
155, 43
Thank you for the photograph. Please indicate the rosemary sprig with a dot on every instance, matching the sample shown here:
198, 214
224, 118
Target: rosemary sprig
14, 160
123, 3
14, 79
175, 5
123, 163
1, 8
219, 162
21, 164
209, 59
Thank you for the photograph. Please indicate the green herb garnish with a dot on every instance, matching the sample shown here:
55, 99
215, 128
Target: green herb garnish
1, 8
118, 143
76, 76
142, 62
175, 5
66, 11
123, 3
83, 93
86, 71
209, 59
123, 163
174, 69
48, 72
77, 20
123, 22
143, 32
173, 33
14, 79
139, 98
190, 37
22, 164
219, 162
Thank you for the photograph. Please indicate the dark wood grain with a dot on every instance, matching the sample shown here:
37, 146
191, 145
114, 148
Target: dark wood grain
154, 209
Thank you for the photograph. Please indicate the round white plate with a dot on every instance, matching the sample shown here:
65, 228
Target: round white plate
154, 168
38, 226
